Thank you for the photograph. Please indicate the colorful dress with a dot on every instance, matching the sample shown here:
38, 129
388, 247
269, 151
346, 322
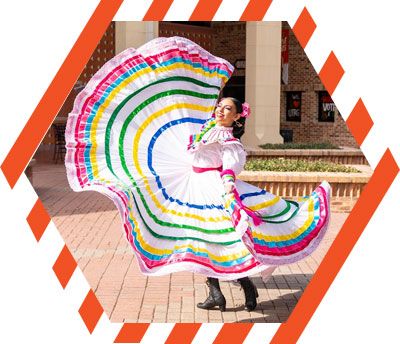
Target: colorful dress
142, 132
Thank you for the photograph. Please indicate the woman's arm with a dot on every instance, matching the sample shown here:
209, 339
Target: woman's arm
233, 160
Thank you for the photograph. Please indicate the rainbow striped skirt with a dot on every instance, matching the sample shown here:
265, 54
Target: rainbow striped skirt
127, 138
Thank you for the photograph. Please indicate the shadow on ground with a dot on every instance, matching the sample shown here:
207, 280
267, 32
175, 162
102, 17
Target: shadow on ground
280, 306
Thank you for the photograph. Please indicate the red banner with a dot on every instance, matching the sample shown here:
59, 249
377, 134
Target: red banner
285, 56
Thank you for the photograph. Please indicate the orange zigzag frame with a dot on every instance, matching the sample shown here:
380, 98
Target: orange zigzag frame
330, 74
45, 112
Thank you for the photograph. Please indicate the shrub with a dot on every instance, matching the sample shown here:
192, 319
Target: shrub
315, 145
286, 165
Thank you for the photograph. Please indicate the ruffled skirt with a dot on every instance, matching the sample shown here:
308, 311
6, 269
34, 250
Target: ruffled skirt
127, 138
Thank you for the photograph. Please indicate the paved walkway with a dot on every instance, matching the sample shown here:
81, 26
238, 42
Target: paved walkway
91, 227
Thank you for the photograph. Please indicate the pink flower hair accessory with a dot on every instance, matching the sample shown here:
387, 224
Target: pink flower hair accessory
246, 110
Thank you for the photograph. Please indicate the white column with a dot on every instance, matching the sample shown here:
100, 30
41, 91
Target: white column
263, 82
134, 34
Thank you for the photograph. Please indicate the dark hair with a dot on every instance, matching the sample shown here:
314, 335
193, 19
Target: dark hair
238, 104
238, 130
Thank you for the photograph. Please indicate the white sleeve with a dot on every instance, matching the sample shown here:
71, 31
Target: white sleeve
234, 158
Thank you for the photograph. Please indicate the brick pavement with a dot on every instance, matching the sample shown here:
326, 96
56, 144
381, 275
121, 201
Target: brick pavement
90, 225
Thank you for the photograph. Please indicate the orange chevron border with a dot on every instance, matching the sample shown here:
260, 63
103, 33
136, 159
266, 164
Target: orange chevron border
304, 28
38, 219
330, 74
64, 266
382, 178
256, 10
183, 333
45, 112
91, 311
205, 10
233, 333
157, 10
359, 122
132, 333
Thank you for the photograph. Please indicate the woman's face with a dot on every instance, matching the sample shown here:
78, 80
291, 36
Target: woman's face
225, 113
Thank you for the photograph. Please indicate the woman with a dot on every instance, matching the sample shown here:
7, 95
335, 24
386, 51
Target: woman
127, 137
230, 114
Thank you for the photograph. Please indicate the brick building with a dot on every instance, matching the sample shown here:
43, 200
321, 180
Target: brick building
254, 48
307, 112
299, 109
225, 39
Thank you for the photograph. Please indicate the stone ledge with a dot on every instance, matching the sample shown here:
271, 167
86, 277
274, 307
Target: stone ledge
305, 177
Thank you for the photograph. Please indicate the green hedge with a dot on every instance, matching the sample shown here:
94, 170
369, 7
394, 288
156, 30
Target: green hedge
316, 145
286, 165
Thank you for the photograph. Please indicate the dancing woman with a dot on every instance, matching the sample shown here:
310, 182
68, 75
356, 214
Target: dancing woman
230, 115
181, 206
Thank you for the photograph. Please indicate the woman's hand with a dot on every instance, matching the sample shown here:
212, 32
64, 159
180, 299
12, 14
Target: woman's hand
229, 188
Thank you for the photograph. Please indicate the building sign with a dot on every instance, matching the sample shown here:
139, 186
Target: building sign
326, 108
240, 64
293, 106
285, 56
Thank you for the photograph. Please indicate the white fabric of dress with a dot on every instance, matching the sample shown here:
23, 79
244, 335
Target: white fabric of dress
214, 154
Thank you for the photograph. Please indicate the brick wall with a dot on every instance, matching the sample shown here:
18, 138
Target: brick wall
303, 77
346, 187
229, 42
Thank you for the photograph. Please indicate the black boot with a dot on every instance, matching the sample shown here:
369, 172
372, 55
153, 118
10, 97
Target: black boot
250, 292
215, 297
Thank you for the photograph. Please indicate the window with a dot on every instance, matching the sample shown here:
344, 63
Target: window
293, 106
326, 108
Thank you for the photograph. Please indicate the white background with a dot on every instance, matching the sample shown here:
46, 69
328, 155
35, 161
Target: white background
362, 304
